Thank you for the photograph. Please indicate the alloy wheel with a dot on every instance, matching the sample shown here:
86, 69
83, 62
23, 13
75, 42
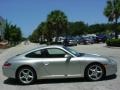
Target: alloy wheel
26, 76
95, 72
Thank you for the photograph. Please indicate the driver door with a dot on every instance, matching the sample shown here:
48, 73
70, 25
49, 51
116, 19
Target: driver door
55, 62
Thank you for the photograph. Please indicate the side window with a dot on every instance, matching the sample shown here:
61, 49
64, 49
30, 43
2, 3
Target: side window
35, 54
56, 53
47, 53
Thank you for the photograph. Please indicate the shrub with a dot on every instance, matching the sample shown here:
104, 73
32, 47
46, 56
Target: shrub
113, 42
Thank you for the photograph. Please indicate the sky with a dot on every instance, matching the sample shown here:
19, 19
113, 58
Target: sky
28, 14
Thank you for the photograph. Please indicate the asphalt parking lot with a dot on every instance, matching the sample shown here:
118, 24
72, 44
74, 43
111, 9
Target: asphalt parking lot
109, 83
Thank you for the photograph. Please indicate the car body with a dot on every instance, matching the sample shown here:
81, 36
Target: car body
70, 42
101, 37
57, 62
86, 40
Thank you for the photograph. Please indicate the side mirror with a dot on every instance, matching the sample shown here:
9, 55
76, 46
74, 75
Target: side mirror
68, 56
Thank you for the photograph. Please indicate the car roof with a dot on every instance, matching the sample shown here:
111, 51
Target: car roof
43, 47
52, 46
49, 46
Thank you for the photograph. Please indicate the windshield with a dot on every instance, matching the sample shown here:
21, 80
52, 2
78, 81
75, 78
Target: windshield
73, 51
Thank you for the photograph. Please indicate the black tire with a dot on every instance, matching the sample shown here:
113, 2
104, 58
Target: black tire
26, 73
94, 72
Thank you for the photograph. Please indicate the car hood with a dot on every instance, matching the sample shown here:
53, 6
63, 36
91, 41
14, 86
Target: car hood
90, 55
96, 56
93, 57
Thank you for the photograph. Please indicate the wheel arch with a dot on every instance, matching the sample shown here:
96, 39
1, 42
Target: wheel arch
16, 73
98, 64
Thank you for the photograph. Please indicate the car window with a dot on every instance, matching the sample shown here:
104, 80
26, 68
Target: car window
35, 54
47, 53
73, 51
56, 53
38, 54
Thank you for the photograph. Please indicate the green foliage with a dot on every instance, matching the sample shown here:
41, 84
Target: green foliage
118, 28
57, 23
112, 12
12, 33
97, 28
113, 42
77, 28
40, 33
23, 38
34, 37
108, 10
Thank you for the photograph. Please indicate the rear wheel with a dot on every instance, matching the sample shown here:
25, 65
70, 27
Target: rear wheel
94, 72
26, 75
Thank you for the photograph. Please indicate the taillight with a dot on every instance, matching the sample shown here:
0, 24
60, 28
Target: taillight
7, 65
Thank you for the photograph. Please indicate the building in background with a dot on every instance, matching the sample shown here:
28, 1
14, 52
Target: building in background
2, 28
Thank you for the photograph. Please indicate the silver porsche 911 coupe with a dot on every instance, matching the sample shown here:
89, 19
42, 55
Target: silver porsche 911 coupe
57, 62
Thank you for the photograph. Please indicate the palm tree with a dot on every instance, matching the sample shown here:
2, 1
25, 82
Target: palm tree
45, 32
12, 33
57, 23
112, 12
42, 31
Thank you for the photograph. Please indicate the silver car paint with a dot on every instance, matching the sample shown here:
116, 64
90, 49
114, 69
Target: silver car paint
58, 67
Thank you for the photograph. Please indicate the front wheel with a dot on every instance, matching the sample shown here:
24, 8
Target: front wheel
26, 75
94, 72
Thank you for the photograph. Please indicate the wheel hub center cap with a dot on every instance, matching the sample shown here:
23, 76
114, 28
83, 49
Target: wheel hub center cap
94, 72
26, 75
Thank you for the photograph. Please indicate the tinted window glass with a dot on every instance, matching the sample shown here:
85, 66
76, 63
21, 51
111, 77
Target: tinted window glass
35, 54
38, 54
47, 53
56, 53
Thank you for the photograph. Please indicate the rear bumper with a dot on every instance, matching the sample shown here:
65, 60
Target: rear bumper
8, 72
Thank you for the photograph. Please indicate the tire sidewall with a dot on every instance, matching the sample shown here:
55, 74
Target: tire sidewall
34, 75
86, 73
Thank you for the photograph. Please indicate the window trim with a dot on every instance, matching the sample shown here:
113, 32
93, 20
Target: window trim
47, 48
